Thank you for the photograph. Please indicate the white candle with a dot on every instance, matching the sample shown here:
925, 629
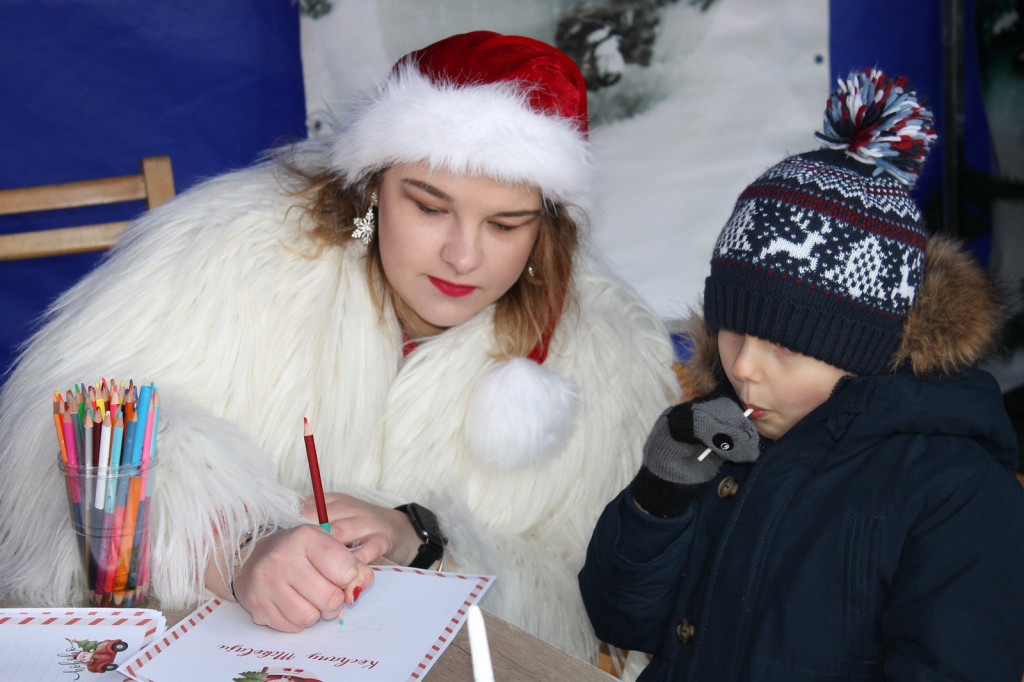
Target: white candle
481, 653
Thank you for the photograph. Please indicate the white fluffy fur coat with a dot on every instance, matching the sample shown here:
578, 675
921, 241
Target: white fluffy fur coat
214, 299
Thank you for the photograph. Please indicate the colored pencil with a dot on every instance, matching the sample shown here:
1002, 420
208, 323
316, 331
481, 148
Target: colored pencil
142, 419
143, 571
88, 481
117, 520
86, 458
103, 462
58, 419
135, 437
125, 549
72, 452
144, 461
106, 435
131, 425
314, 474
97, 432
110, 509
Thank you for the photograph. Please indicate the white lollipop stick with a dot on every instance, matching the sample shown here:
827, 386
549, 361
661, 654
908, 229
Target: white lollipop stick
701, 456
481, 653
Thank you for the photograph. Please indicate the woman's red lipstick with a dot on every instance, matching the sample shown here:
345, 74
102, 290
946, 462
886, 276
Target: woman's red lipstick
450, 288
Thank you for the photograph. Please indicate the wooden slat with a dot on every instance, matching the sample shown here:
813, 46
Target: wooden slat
154, 183
61, 241
71, 194
159, 180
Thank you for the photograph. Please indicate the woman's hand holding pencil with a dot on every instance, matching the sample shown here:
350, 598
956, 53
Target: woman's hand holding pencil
295, 577
370, 530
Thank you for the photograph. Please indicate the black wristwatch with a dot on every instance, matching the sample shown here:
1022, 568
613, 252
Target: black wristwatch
427, 527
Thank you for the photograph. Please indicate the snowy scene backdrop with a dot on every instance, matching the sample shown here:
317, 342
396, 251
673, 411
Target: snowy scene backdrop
690, 101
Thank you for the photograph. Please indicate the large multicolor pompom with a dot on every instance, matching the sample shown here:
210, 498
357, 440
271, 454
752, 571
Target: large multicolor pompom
879, 121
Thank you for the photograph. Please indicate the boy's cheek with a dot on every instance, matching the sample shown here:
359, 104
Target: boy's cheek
774, 426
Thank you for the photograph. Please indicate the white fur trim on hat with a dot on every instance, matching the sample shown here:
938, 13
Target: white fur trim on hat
486, 129
520, 414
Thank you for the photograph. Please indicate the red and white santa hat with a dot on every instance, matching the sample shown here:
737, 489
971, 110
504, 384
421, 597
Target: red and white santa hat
509, 108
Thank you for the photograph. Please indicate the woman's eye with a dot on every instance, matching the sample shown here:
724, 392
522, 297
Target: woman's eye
428, 209
503, 227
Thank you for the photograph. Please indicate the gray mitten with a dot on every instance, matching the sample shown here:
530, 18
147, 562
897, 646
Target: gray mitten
682, 433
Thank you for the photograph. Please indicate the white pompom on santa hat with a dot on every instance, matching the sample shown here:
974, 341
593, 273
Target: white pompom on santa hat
509, 108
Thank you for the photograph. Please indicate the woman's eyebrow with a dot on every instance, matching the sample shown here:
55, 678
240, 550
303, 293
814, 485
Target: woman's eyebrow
435, 192
428, 188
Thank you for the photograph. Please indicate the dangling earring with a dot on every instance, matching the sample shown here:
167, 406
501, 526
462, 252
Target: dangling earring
530, 272
367, 224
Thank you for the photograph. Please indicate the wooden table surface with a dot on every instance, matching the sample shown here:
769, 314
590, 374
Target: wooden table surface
515, 655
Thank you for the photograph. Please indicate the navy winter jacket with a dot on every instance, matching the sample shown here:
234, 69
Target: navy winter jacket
881, 538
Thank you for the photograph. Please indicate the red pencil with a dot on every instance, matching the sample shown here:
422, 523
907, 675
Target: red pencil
58, 421
314, 473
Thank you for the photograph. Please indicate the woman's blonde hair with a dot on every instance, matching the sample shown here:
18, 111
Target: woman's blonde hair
524, 318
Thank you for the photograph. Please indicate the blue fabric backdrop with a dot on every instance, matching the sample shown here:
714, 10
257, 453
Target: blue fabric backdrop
87, 87
905, 38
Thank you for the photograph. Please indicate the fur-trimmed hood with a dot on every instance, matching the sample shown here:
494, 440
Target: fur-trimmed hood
955, 322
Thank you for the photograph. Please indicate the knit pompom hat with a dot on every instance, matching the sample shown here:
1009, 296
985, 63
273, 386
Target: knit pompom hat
512, 109
824, 253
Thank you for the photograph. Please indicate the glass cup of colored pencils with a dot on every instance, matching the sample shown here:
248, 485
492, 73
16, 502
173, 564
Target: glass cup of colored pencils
107, 455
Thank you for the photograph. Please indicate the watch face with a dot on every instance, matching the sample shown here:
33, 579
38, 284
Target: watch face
425, 523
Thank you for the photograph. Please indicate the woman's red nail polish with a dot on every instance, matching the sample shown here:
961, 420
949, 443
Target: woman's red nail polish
356, 592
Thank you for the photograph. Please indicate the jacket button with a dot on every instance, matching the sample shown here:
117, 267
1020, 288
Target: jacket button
686, 631
728, 487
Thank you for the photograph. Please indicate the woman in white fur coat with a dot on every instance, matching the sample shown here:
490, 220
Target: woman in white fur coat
460, 352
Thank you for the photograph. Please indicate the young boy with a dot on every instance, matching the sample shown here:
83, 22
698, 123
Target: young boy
840, 504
